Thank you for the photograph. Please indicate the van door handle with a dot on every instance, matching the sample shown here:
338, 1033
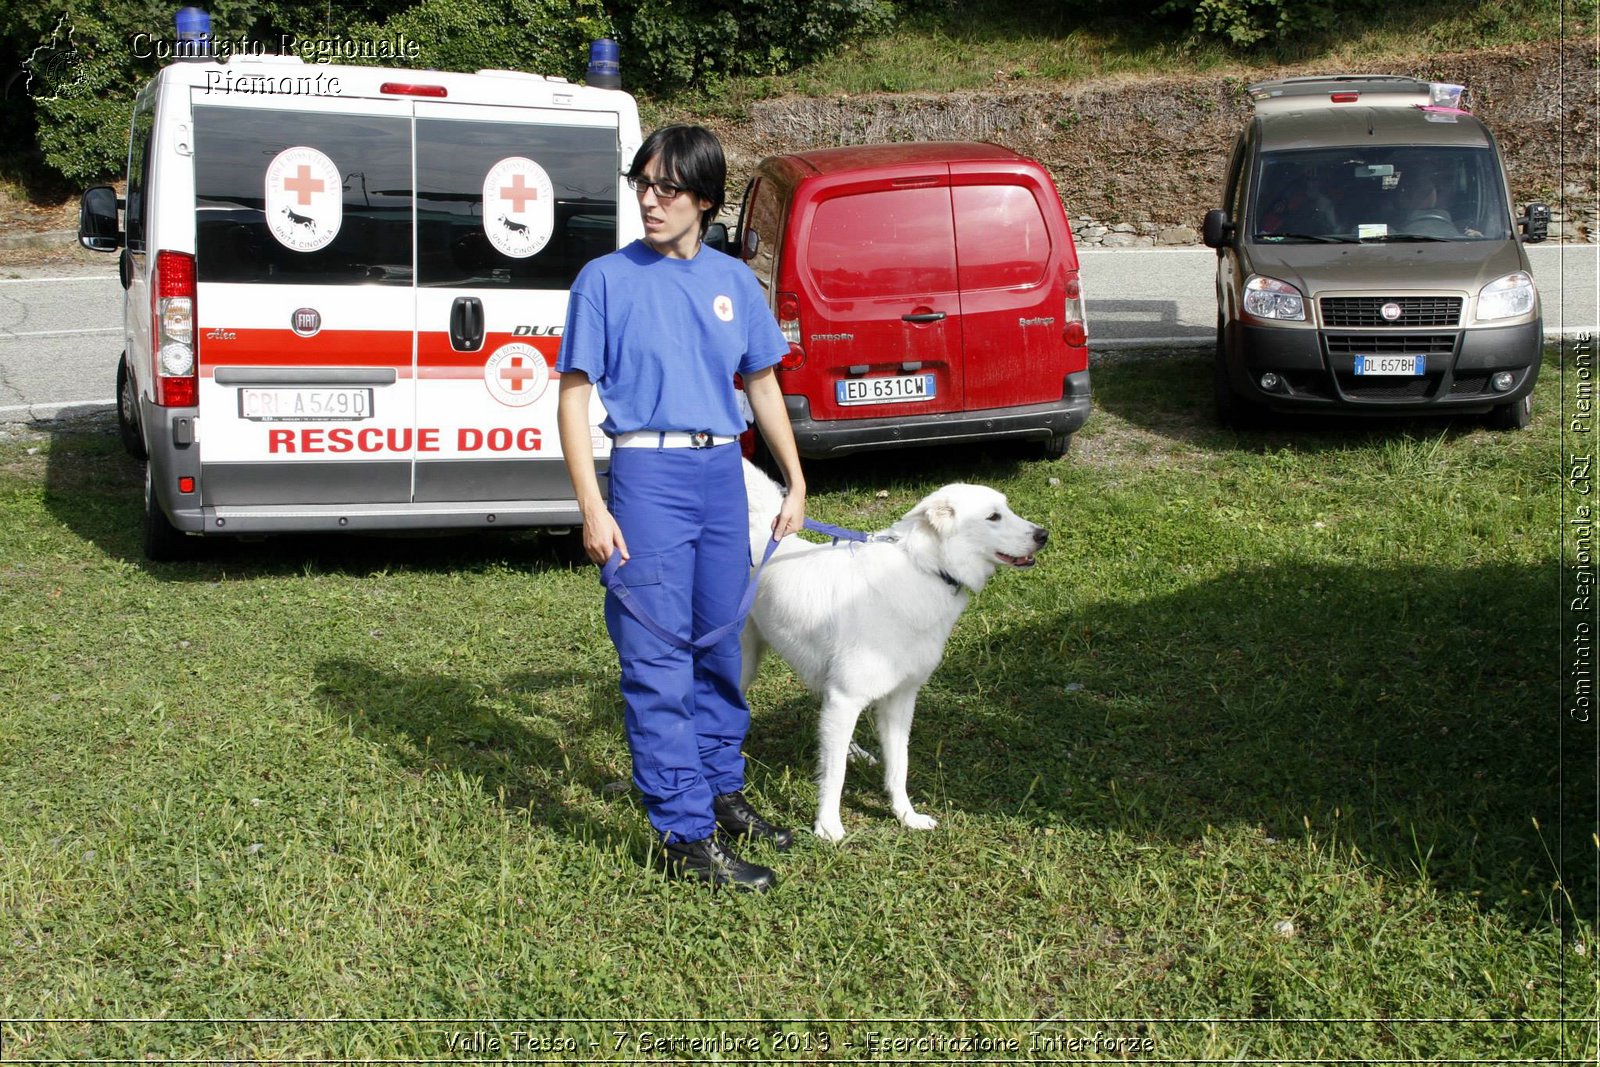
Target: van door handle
466, 324
929, 316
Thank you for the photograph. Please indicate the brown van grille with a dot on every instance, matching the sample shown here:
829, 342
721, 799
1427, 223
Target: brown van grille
1367, 311
1391, 344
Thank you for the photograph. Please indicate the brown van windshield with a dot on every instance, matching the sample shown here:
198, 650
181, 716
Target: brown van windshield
1399, 193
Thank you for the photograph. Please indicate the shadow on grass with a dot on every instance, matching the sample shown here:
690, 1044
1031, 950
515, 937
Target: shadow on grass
436, 724
1409, 714
1170, 394
96, 490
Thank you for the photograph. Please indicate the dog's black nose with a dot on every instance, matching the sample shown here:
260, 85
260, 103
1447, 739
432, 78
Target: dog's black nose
1040, 535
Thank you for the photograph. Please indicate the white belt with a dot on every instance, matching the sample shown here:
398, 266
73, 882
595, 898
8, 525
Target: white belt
669, 439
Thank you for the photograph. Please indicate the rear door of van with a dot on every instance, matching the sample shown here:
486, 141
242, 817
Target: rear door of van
511, 203
305, 304
876, 264
1013, 252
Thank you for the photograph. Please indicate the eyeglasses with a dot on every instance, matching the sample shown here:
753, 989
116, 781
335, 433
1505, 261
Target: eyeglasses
665, 191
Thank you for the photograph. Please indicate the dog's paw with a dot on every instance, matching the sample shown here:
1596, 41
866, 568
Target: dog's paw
829, 830
915, 820
862, 755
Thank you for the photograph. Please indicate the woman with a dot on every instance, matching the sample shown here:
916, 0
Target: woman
660, 328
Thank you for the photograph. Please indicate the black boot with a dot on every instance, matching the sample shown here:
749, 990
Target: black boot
736, 818
713, 862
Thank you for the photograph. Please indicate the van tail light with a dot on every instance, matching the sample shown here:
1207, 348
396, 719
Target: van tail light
789, 317
172, 321
408, 89
789, 323
1344, 97
1076, 328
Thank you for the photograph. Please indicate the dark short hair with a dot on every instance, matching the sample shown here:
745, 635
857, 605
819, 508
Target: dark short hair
692, 157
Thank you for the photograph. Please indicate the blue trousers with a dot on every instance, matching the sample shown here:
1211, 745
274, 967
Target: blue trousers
682, 512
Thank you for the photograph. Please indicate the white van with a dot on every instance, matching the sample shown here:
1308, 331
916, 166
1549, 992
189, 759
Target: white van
345, 292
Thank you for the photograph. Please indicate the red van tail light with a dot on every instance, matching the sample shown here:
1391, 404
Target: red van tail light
789, 323
172, 321
789, 317
1076, 330
1344, 98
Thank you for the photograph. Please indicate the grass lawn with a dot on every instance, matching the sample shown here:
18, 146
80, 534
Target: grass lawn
1261, 763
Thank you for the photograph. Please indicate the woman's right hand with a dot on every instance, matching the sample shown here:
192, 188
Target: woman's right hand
602, 535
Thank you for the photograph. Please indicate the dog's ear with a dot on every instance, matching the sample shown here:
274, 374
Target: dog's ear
940, 515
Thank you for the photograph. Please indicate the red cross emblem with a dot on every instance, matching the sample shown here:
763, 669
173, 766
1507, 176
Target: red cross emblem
514, 373
303, 185
518, 193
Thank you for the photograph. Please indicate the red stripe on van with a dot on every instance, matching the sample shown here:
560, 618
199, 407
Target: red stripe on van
223, 347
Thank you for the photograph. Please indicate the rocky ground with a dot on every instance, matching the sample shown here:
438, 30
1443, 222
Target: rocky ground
1139, 161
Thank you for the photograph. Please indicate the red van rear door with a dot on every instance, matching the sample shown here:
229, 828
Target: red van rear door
1011, 253
881, 315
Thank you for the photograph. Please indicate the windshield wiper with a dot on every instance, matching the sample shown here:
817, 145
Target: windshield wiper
1325, 238
1407, 237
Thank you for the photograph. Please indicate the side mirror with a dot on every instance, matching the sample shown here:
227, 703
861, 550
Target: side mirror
1217, 231
97, 220
749, 242
1535, 223
716, 237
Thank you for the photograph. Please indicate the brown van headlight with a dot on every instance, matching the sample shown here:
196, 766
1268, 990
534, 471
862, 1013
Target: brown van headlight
1268, 298
1506, 298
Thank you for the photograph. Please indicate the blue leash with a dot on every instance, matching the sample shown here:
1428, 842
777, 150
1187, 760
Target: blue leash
608, 578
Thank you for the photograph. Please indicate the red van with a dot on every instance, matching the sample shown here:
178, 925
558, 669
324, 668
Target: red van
929, 292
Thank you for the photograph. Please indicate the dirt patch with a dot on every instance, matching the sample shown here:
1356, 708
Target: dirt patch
38, 237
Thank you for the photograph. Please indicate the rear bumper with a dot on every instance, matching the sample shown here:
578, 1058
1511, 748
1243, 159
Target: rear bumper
1314, 368
817, 439
323, 497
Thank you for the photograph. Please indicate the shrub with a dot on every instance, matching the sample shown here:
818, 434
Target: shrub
538, 36
85, 60
673, 44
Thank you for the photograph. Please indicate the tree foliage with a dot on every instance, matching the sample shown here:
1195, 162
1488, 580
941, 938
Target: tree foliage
74, 65
671, 44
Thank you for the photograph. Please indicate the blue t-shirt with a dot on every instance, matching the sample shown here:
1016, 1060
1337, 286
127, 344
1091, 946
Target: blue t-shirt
662, 338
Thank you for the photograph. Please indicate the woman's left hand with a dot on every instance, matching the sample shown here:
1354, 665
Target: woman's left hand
792, 516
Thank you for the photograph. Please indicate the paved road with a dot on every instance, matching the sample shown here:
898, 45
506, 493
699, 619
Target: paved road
59, 342
60, 337
1160, 297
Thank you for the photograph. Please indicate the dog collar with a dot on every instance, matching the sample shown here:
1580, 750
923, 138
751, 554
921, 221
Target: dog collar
951, 582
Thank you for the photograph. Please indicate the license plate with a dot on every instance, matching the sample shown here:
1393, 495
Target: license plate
1404, 366
305, 405
895, 390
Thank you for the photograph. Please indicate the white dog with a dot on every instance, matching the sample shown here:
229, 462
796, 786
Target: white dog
866, 624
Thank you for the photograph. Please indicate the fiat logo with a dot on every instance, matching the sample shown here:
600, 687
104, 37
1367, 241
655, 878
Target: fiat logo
1390, 311
306, 322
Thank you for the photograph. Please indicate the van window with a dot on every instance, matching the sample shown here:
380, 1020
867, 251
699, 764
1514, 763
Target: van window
143, 127
1398, 193
765, 220
887, 243
233, 148
453, 158
1001, 238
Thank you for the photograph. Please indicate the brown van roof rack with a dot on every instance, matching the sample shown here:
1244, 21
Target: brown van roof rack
1369, 90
